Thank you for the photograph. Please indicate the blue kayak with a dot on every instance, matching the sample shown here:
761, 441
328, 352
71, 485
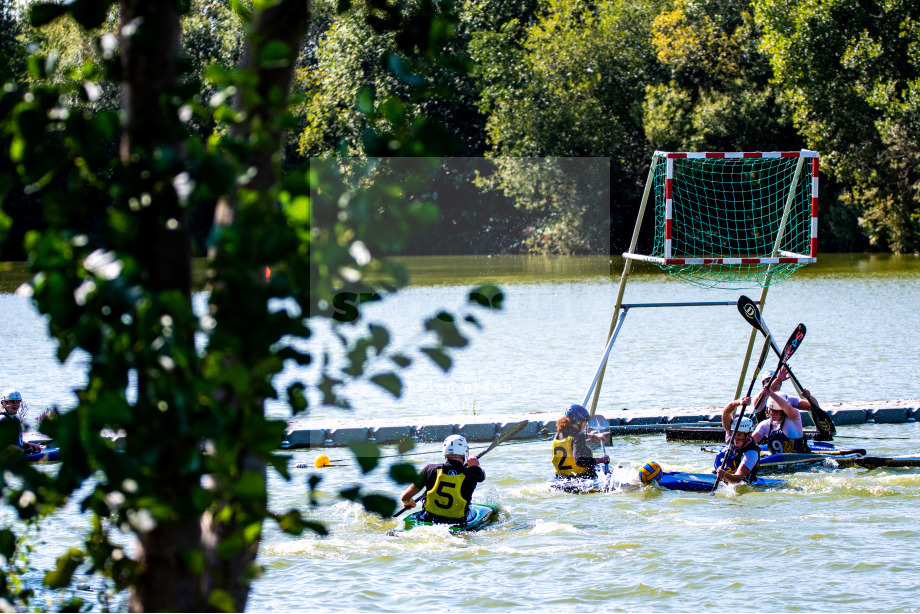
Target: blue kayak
47, 455
481, 515
703, 482
670, 480
820, 454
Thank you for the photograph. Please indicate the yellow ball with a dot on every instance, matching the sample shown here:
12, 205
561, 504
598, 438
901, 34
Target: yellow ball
650, 472
321, 461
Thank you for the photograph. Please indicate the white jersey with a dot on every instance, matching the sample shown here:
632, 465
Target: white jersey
792, 427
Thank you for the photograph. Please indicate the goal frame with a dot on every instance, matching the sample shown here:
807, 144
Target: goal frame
776, 258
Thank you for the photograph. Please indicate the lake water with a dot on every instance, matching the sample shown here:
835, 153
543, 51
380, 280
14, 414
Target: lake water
827, 541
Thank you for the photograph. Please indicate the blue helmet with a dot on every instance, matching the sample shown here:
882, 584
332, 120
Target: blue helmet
577, 413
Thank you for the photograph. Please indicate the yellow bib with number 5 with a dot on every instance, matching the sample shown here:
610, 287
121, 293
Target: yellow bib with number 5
444, 498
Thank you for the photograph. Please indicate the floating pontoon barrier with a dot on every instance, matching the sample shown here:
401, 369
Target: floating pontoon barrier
697, 427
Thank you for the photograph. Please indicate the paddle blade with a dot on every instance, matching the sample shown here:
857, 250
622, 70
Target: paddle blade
748, 309
599, 423
795, 340
822, 420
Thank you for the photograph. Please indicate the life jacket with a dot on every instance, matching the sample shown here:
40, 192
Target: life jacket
564, 458
735, 455
444, 500
12, 429
778, 443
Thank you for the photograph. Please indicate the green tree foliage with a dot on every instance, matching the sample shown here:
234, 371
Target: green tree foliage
851, 70
12, 53
366, 100
718, 95
362, 87
570, 84
190, 484
12, 65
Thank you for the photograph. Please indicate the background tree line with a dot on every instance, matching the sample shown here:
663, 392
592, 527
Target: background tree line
519, 79
620, 79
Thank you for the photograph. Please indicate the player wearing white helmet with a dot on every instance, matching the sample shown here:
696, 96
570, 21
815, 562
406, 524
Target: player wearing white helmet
782, 430
762, 400
10, 426
450, 484
743, 454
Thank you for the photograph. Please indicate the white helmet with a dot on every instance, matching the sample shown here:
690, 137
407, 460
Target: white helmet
745, 426
772, 404
766, 376
11, 395
455, 445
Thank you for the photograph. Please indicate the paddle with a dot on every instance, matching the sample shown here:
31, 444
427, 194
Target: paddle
791, 346
815, 452
601, 424
508, 433
751, 313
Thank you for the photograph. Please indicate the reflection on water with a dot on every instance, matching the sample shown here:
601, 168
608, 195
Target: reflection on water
542, 350
848, 531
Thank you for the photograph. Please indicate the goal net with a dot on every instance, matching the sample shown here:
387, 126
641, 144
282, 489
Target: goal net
734, 220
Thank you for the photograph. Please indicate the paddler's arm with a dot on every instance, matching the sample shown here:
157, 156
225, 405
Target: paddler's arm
804, 403
728, 413
407, 497
784, 405
738, 476
421, 482
478, 473
734, 478
598, 437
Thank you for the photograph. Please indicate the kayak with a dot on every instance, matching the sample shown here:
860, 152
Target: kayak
777, 463
783, 462
703, 482
481, 515
874, 462
670, 480
47, 455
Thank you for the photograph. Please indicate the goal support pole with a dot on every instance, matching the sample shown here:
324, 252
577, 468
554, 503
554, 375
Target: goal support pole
627, 263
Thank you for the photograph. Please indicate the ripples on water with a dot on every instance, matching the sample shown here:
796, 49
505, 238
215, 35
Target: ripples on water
827, 540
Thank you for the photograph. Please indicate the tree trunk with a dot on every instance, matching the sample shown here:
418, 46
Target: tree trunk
150, 47
286, 22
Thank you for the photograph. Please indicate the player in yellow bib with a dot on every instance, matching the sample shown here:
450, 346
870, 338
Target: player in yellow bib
572, 458
450, 484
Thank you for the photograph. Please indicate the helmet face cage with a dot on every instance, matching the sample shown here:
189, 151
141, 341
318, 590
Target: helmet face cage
455, 445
